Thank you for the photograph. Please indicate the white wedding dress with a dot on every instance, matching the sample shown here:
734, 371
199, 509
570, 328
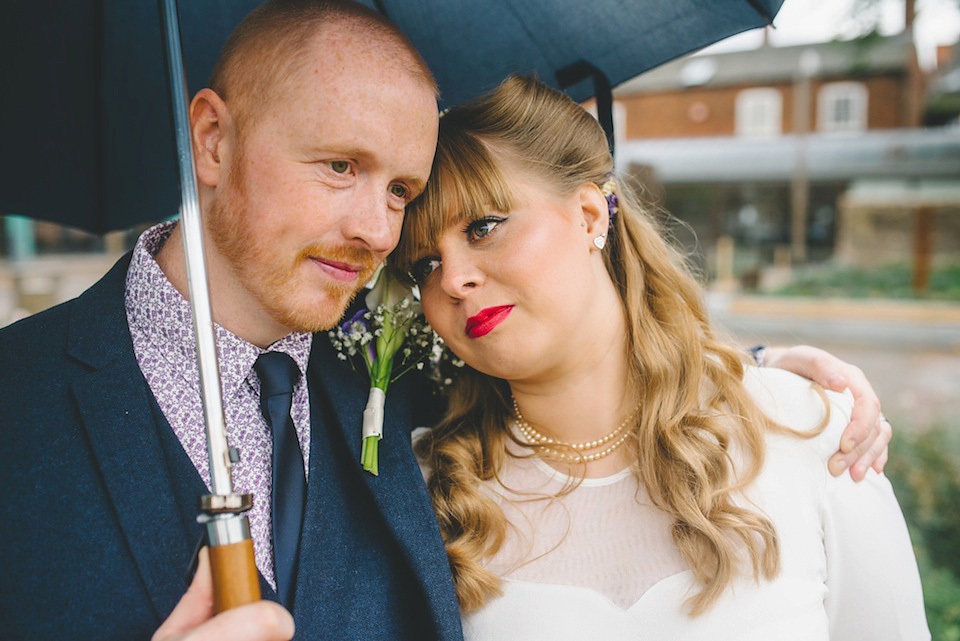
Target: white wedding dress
599, 563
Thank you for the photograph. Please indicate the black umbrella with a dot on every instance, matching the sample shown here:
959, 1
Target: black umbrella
86, 136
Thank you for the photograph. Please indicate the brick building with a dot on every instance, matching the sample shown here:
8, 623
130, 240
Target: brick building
762, 146
867, 84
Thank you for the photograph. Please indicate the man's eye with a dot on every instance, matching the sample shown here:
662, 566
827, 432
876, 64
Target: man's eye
340, 166
399, 191
422, 269
482, 227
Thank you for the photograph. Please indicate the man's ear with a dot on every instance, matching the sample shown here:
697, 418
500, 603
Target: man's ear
210, 129
593, 208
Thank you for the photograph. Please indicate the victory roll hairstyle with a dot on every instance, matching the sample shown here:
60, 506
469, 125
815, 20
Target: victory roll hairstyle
694, 414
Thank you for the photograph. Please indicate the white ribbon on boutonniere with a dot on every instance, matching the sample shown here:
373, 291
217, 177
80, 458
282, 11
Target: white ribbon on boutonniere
390, 334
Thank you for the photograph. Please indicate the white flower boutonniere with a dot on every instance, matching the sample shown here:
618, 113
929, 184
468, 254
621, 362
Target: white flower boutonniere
377, 334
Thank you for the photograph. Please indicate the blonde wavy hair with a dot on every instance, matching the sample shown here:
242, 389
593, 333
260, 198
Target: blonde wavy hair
694, 411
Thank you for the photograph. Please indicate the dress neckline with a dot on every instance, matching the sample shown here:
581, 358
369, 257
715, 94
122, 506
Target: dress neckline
590, 481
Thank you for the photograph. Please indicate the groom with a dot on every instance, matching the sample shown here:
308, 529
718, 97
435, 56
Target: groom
319, 127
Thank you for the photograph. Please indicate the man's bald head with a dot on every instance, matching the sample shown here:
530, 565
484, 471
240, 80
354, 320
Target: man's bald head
268, 48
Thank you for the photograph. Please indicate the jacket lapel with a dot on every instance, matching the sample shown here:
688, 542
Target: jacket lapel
399, 491
112, 398
114, 403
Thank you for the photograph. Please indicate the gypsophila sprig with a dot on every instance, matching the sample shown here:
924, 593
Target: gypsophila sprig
391, 337
443, 365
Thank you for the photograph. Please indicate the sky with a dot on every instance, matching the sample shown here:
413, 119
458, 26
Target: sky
806, 21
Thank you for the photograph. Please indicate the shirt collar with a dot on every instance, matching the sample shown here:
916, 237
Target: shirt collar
156, 309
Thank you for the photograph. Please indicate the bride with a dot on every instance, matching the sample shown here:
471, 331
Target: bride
608, 467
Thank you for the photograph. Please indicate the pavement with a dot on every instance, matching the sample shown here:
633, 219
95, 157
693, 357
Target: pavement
909, 350
868, 322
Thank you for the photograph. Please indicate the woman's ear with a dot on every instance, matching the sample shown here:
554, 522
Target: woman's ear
593, 208
210, 129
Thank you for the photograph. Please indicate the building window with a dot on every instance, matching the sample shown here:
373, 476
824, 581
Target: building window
842, 106
759, 112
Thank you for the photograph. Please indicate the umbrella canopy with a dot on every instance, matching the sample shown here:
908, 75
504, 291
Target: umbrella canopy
86, 133
85, 129
471, 45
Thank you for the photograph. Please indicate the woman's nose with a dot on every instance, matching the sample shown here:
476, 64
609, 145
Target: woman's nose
460, 273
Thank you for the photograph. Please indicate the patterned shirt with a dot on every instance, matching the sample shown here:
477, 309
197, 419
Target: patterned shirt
162, 331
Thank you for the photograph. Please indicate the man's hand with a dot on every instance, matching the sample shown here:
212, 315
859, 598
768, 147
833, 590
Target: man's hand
193, 620
864, 441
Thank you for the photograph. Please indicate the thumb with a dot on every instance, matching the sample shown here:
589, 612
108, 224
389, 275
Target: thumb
195, 606
193, 619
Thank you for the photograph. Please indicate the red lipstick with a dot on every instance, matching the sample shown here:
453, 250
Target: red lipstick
486, 320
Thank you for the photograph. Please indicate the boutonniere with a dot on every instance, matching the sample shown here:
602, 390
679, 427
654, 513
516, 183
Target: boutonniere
391, 337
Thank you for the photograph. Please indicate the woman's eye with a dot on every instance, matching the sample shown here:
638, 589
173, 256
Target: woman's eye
399, 191
423, 268
340, 166
480, 228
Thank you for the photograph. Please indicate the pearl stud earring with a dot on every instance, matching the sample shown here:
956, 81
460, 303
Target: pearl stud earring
600, 241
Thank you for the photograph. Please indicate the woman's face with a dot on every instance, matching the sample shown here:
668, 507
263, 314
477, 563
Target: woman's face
515, 294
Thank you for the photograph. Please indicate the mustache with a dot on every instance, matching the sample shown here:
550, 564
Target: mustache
363, 258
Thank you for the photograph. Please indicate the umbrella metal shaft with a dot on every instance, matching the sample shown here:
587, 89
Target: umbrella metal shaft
228, 533
192, 231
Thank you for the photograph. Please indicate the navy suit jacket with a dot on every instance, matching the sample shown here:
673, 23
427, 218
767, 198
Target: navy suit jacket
100, 500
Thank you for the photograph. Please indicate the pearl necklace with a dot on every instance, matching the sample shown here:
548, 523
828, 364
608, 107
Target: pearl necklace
536, 438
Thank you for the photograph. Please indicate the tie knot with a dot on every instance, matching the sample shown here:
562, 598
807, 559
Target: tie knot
278, 373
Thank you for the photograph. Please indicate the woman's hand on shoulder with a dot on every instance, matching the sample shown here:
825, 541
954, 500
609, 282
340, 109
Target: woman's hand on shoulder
864, 440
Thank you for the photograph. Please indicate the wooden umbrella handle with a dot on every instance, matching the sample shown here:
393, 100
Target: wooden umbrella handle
235, 581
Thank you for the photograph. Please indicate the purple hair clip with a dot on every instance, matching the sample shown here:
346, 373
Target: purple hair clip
608, 189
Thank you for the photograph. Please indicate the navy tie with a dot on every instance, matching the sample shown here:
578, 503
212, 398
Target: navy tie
278, 374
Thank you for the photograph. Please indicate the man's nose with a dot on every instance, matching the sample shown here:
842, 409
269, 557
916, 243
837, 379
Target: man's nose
374, 223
